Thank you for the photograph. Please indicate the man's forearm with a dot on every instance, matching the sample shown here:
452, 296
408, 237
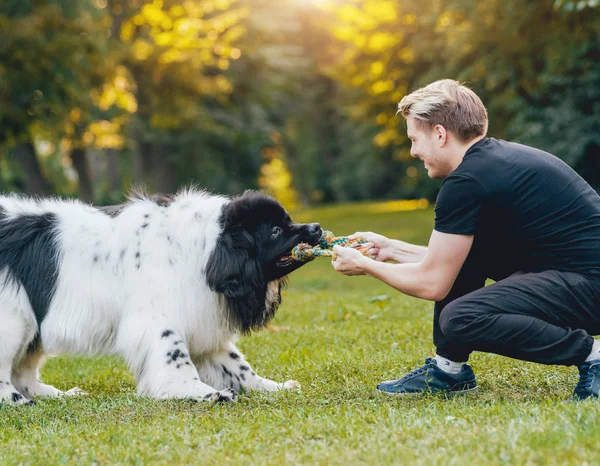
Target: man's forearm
406, 253
406, 278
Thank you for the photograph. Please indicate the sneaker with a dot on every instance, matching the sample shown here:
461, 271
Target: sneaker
431, 379
589, 381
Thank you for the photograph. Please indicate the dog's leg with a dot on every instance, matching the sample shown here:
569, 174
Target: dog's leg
163, 368
230, 369
13, 339
26, 377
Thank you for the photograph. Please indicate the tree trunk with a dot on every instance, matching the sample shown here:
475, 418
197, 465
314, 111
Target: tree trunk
326, 124
151, 164
158, 171
35, 181
151, 168
112, 171
82, 167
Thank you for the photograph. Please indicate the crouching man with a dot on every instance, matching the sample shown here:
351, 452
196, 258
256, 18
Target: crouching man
505, 211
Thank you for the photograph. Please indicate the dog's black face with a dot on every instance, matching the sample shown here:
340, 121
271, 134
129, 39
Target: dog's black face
276, 237
252, 251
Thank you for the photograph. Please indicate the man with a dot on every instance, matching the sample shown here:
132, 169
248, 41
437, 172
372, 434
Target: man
505, 211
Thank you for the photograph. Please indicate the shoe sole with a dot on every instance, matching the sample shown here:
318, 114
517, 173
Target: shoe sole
466, 391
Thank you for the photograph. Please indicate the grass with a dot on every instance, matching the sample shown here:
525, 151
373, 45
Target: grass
344, 335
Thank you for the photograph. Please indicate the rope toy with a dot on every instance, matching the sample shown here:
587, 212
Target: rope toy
305, 252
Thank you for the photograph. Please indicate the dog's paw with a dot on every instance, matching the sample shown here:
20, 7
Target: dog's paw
15, 398
291, 385
227, 395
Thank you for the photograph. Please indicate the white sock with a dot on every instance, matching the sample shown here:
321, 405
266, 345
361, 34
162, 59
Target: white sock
451, 367
595, 354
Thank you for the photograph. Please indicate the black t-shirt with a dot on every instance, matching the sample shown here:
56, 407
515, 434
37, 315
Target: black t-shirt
525, 206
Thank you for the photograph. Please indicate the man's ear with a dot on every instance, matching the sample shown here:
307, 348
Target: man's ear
441, 135
233, 269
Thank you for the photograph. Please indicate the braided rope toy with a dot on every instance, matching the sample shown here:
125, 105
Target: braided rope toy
305, 252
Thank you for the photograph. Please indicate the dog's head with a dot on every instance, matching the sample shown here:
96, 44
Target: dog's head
253, 250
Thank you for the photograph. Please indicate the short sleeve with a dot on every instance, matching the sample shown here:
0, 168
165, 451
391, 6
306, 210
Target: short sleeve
458, 205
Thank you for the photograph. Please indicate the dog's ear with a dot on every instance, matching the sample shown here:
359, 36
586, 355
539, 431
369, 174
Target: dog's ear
233, 268
234, 271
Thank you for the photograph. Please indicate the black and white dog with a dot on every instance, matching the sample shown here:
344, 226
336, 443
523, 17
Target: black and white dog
166, 282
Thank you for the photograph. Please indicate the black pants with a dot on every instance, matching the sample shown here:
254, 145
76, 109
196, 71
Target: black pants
545, 317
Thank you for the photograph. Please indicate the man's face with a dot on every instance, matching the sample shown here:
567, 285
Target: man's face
428, 146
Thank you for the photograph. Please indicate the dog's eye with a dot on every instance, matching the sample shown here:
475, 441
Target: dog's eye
276, 232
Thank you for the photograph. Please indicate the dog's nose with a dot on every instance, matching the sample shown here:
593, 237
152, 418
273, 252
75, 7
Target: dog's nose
314, 228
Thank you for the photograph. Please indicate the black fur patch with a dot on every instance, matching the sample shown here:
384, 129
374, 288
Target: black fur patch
227, 371
233, 355
244, 368
234, 271
34, 345
29, 251
16, 397
176, 354
112, 210
166, 333
161, 200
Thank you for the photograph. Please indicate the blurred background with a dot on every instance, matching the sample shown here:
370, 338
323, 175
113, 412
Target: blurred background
296, 97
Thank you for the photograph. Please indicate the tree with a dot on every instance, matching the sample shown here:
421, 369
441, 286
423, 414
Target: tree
50, 56
532, 64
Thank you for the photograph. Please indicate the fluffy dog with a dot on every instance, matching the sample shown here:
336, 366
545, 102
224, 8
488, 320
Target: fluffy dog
166, 282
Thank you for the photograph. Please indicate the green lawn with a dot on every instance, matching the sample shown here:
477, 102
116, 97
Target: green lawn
340, 336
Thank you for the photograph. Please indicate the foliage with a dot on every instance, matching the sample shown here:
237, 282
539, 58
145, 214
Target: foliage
532, 64
172, 92
51, 54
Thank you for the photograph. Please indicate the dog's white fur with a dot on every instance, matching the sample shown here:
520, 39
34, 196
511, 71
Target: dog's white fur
132, 284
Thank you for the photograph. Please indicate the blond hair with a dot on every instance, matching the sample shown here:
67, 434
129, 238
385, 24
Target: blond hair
450, 104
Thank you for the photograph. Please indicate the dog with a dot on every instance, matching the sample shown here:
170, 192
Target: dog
167, 282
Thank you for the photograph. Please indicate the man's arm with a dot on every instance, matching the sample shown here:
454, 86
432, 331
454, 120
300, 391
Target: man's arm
431, 278
406, 253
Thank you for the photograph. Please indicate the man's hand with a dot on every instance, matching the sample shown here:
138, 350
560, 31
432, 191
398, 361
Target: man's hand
426, 273
348, 261
382, 249
386, 249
